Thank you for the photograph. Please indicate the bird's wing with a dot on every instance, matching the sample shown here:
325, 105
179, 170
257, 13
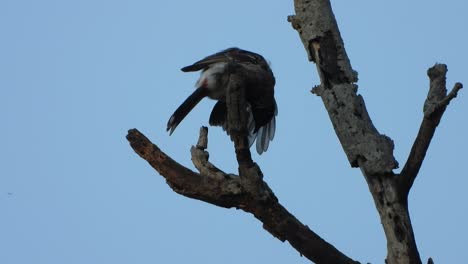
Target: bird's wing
228, 55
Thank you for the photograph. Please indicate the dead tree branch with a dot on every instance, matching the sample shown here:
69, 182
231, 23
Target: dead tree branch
247, 191
436, 102
364, 146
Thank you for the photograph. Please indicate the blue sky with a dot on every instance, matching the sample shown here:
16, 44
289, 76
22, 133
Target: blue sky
76, 75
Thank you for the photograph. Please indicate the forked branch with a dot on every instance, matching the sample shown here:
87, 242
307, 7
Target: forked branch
247, 191
364, 146
436, 102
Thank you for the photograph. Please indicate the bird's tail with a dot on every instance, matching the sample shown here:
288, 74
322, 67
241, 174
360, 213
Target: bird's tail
181, 112
264, 134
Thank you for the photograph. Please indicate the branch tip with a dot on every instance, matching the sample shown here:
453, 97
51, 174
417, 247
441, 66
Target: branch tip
453, 93
203, 138
437, 70
434, 107
132, 133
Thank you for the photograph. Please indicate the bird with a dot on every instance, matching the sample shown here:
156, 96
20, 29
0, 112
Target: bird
259, 84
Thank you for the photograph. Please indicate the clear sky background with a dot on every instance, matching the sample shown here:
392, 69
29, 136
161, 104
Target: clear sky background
76, 75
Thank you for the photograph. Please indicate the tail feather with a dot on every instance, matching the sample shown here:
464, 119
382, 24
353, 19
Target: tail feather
251, 128
272, 128
181, 112
265, 133
261, 135
263, 140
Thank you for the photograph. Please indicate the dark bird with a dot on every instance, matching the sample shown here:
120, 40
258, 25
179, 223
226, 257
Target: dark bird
213, 83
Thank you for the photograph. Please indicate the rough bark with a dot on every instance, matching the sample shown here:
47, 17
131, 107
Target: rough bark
364, 146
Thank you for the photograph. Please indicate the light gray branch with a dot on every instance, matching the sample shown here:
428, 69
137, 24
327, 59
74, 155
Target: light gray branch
364, 146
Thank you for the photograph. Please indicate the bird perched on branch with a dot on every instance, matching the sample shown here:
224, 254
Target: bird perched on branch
213, 83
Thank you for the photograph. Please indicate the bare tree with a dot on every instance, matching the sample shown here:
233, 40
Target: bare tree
364, 146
